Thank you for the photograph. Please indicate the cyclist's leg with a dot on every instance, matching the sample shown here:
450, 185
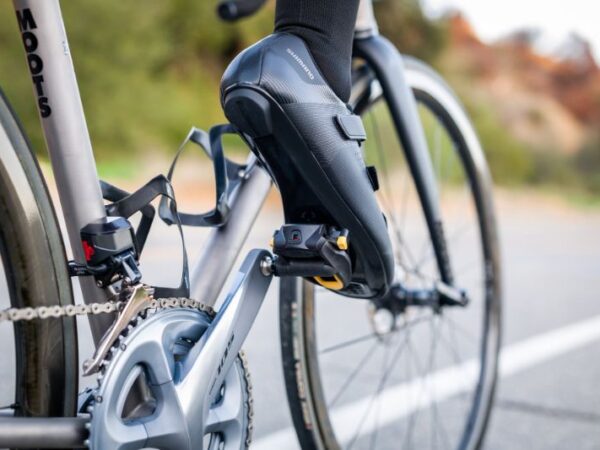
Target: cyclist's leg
295, 109
327, 27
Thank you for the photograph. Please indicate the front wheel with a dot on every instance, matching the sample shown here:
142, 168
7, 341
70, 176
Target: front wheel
38, 374
359, 375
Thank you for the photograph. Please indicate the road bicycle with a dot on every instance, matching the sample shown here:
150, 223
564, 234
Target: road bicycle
414, 369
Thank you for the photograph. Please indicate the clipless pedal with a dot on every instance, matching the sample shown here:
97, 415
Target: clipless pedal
317, 252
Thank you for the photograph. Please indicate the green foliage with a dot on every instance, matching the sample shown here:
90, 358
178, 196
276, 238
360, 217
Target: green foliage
551, 167
587, 163
510, 161
403, 22
147, 69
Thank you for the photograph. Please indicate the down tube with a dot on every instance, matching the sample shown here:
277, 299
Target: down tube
388, 66
65, 130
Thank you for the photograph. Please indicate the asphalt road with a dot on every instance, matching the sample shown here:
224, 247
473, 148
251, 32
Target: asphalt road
551, 261
549, 394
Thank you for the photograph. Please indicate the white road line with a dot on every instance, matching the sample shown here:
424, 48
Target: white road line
405, 398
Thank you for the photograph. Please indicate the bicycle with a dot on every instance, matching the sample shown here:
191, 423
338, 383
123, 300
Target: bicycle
170, 369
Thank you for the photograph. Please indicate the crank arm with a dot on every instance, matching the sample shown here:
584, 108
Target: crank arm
208, 362
138, 301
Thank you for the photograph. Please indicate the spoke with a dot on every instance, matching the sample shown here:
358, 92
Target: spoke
353, 374
421, 373
428, 254
348, 343
417, 273
442, 433
402, 244
459, 232
407, 434
449, 345
455, 349
380, 386
404, 200
441, 430
433, 412
438, 150
375, 434
466, 268
434, 329
388, 196
387, 190
464, 331
369, 336
405, 326
410, 426
465, 394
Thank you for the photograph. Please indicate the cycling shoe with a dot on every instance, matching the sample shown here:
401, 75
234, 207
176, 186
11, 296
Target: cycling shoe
310, 142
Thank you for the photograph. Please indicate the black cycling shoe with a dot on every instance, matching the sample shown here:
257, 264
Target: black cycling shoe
310, 142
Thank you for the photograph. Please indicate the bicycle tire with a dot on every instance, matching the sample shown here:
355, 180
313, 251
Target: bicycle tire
34, 262
304, 384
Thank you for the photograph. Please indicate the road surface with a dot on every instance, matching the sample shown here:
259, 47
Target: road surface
549, 394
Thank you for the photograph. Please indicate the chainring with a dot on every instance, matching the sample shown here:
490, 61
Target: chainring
144, 360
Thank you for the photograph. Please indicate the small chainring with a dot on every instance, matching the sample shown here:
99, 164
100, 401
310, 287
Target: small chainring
135, 402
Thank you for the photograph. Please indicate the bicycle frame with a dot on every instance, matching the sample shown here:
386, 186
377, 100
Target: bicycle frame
69, 145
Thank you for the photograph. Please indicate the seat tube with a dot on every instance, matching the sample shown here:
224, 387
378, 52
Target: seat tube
65, 130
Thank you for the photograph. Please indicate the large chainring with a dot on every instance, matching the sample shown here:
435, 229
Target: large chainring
135, 404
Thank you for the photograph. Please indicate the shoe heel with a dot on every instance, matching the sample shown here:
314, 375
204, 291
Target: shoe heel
249, 111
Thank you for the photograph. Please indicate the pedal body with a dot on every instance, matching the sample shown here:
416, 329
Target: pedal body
317, 252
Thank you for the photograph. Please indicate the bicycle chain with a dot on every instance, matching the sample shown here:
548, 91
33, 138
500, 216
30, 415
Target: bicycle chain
57, 311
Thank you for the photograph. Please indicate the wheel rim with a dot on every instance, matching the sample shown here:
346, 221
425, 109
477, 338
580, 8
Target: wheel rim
46, 379
424, 423
8, 370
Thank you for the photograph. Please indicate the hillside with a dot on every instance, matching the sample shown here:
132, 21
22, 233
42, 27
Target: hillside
537, 114
144, 82
551, 104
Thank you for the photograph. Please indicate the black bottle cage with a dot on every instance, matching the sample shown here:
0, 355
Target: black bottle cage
228, 176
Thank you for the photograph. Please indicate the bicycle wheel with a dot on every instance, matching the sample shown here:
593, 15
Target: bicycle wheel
361, 376
38, 375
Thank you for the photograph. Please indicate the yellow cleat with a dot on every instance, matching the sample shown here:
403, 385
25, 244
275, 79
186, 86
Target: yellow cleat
335, 285
342, 242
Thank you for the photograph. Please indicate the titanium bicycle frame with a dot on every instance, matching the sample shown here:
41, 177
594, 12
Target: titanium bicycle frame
69, 145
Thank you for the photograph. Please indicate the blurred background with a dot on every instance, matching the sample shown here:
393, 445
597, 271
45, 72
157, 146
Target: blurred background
149, 70
528, 74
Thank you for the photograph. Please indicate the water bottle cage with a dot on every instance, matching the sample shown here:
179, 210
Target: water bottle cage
119, 259
228, 176
318, 252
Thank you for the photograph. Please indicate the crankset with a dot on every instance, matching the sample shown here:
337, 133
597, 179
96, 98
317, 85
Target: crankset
175, 379
136, 403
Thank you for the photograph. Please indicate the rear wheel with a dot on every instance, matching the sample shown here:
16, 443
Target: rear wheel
38, 374
362, 376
